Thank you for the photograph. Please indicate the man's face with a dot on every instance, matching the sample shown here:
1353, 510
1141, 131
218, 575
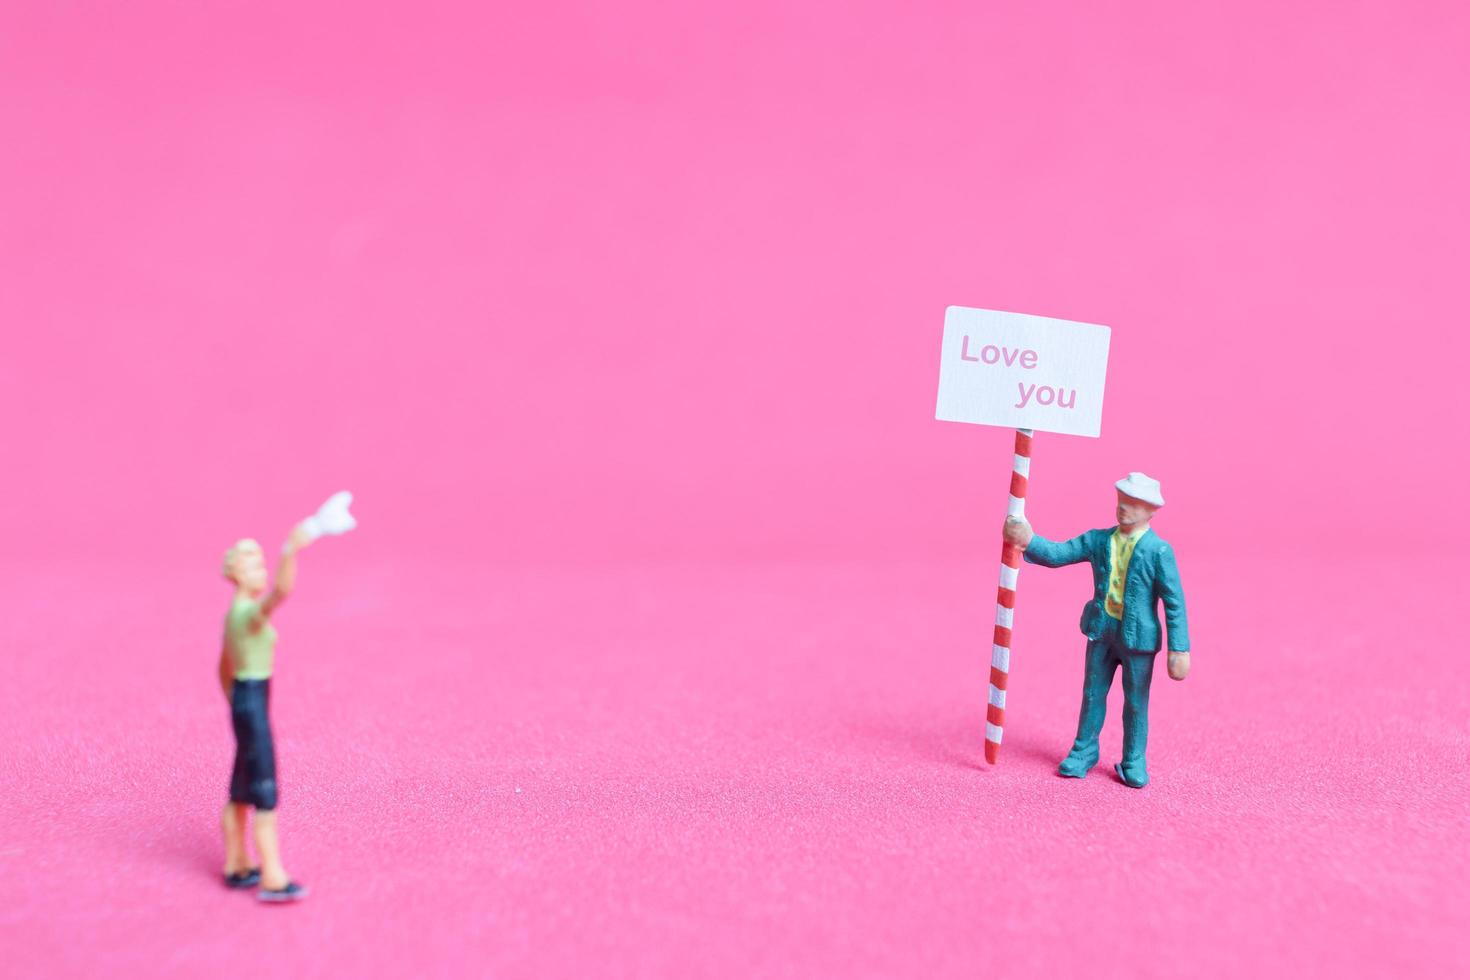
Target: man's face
1132, 511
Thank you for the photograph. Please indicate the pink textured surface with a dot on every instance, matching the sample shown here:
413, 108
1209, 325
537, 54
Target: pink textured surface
623, 320
709, 769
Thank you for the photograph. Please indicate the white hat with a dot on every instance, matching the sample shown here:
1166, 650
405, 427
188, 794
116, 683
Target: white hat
1141, 486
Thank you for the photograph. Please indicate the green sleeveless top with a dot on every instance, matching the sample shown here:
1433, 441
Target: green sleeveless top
252, 654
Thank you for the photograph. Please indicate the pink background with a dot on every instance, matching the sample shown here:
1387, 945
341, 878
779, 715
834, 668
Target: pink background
662, 647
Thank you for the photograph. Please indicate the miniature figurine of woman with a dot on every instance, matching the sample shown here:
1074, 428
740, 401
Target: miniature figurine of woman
245, 674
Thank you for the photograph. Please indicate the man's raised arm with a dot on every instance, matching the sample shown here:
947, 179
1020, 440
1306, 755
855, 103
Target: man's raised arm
1041, 551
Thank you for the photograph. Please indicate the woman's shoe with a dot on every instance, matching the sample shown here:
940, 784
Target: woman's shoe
243, 879
291, 893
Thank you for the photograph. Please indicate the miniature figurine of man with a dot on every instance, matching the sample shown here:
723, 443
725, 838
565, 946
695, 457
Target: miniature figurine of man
1133, 570
245, 666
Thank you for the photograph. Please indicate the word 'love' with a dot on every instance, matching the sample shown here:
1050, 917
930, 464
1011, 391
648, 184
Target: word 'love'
991, 354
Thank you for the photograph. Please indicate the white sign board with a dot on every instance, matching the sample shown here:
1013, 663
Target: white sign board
1022, 371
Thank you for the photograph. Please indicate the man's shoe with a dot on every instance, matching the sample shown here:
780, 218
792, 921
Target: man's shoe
291, 893
1075, 766
243, 879
1133, 775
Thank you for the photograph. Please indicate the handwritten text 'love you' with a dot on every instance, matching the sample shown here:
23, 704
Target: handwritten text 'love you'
1028, 359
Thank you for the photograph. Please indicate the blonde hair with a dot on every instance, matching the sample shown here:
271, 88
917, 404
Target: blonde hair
227, 567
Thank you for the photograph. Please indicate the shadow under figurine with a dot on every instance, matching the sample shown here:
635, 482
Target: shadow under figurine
1133, 570
247, 659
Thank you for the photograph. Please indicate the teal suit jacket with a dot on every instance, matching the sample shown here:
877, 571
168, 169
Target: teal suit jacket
1153, 576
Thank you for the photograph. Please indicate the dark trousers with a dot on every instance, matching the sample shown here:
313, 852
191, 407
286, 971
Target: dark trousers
253, 780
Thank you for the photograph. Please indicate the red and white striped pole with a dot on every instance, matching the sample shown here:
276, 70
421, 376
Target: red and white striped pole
1005, 602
